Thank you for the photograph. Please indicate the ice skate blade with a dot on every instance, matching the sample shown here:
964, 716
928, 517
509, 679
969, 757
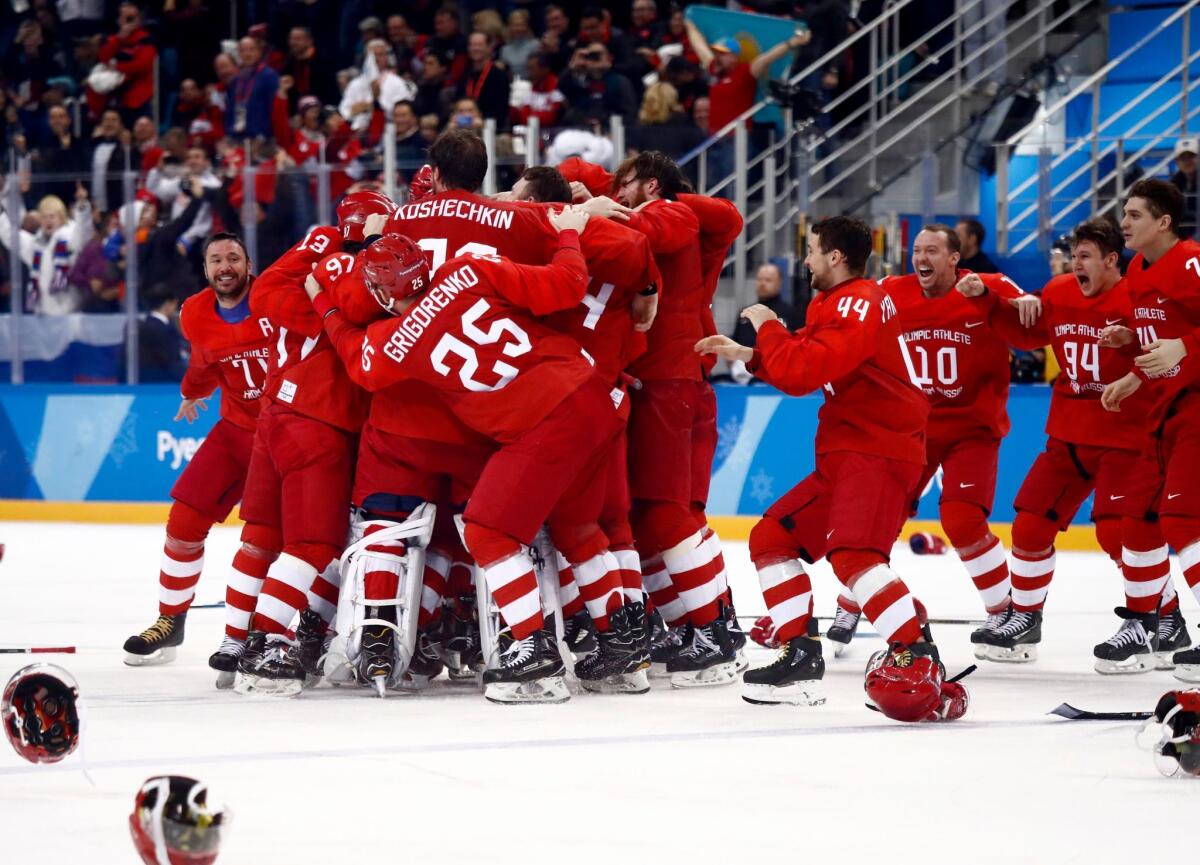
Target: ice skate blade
623, 683
157, 657
1023, 654
379, 685
981, 651
411, 683
1189, 673
259, 686
225, 680
1134, 664
840, 649
797, 694
552, 689
1164, 660
719, 674
740, 660
658, 671
460, 675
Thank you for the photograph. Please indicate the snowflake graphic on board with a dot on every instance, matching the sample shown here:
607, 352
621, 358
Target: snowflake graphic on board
761, 487
727, 437
125, 442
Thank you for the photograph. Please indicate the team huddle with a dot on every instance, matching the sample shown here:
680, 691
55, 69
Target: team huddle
475, 435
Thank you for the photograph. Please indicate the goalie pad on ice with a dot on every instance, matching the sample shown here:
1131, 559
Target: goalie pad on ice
356, 562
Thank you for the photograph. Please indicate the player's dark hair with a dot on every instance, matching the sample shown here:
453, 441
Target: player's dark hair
220, 236
1161, 198
592, 12
953, 241
849, 236
975, 229
1102, 232
546, 185
653, 165
460, 158
159, 294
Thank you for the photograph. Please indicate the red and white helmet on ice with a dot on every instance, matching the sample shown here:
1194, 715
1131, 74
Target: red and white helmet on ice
394, 268
905, 683
40, 713
353, 210
1177, 752
172, 823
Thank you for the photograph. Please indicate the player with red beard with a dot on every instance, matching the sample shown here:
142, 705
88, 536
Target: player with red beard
230, 349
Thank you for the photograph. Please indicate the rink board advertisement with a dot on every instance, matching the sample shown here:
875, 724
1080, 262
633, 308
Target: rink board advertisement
106, 444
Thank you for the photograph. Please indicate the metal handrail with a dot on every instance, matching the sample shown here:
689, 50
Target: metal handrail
1103, 71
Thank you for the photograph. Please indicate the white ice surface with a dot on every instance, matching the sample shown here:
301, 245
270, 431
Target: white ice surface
340, 776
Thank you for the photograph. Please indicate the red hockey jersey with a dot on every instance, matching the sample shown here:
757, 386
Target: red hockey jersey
234, 357
474, 337
959, 350
851, 346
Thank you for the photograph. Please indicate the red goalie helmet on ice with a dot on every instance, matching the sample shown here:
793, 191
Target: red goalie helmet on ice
354, 209
394, 268
905, 683
172, 824
40, 713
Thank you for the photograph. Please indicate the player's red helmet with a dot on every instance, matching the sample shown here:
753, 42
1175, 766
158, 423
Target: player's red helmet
394, 268
353, 210
905, 685
421, 184
40, 713
172, 823
1177, 752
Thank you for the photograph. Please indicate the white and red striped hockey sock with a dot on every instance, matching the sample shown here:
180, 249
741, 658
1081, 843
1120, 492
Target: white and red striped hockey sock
1031, 576
987, 566
242, 588
712, 542
662, 591
630, 569
568, 589
284, 594
886, 602
694, 575
1189, 560
434, 585
1146, 573
323, 596
847, 602
788, 592
178, 574
514, 588
599, 581
1169, 602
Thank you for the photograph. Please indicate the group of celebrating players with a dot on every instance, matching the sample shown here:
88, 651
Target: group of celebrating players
475, 434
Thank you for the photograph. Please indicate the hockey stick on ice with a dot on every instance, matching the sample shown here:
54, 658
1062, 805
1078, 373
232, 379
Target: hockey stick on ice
27, 650
1066, 710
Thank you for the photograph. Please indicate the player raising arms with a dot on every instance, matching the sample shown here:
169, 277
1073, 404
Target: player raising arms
1088, 450
230, 348
1165, 280
870, 449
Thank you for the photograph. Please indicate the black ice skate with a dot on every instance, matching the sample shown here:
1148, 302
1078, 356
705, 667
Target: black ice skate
993, 621
737, 635
843, 629
616, 665
460, 646
157, 644
794, 678
1187, 665
377, 657
531, 671
640, 623
1171, 638
425, 666
708, 660
1016, 640
277, 672
579, 634
313, 635
665, 643
225, 661
1131, 648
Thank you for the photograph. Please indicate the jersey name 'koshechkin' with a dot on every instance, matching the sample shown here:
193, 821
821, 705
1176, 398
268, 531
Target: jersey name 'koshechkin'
413, 325
458, 208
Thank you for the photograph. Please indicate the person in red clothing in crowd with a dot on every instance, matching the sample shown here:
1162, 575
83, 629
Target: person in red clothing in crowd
1164, 277
1088, 450
475, 337
959, 349
131, 53
230, 349
544, 100
619, 307
870, 448
298, 483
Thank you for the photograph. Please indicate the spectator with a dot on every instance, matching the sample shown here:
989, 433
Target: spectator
556, 37
50, 252
169, 181
99, 281
311, 72
542, 99
646, 36
595, 27
410, 146
30, 65
130, 54
433, 90
303, 144
369, 29
110, 156
449, 43
768, 283
1184, 179
466, 115
1060, 256
146, 152
676, 34
251, 93
160, 345
684, 76
970, 236
431, 127
592, 91
702, 112
63, 155
663, 124
378, 84
520, 45
406, 45
194, 112
161, 256
81, 18
272, 56
487, 81
489, 23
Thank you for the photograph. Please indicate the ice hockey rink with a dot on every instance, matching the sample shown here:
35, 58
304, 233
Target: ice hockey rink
339, 776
